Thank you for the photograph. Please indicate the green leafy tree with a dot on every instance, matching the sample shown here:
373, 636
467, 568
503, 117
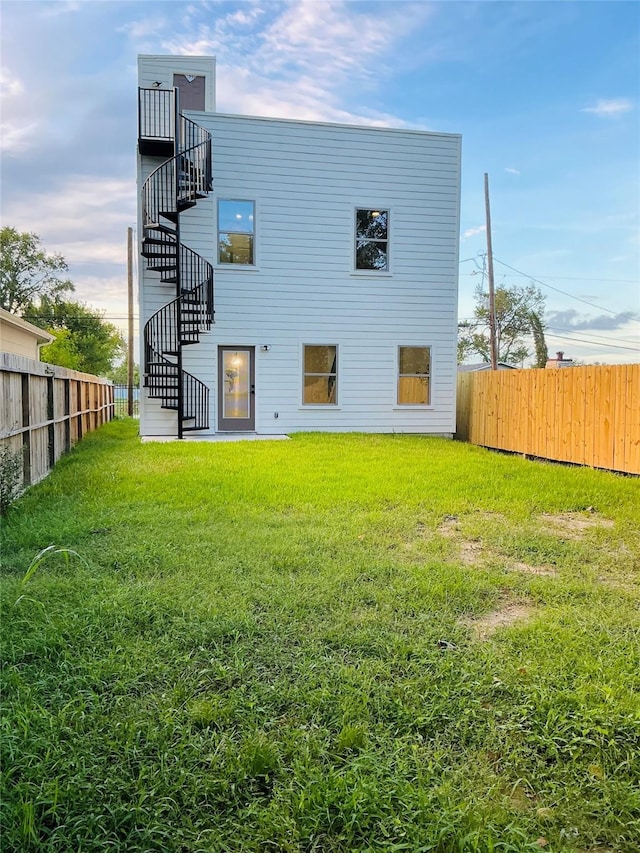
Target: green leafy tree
120, 375
537, 330
28, 273
514, 307
62, 351
84, 340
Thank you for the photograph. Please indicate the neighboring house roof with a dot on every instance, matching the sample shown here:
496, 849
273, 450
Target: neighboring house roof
19, 337
484, 365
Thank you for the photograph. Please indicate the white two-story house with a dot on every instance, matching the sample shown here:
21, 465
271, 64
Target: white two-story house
297, 275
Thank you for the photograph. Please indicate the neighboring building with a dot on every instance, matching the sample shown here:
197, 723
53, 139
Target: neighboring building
484, 365
334, 250
559, 361
21, 338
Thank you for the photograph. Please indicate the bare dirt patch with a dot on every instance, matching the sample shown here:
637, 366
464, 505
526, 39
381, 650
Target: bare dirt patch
623, 584
471, 552
574, 525
509, 613
527, 569
449, 527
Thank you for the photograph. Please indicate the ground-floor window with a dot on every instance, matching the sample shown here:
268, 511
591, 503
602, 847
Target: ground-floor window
414, 376
320, 374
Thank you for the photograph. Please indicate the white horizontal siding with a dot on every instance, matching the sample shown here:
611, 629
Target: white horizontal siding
160, 69
306, 179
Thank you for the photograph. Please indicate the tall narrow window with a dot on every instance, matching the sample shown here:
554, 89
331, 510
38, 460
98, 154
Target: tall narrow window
236, 232
372, 239
414, 376
320, 375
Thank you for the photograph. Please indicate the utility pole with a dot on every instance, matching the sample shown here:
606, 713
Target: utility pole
130, 341
492, 297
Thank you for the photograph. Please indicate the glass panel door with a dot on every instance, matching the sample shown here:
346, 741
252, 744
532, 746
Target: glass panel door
236, 389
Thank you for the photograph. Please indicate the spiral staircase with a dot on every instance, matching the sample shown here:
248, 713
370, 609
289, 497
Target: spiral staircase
175, 186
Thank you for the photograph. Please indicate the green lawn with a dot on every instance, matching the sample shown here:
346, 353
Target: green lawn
334, 643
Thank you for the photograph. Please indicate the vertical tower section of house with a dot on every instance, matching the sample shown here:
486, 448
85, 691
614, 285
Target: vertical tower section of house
176, 282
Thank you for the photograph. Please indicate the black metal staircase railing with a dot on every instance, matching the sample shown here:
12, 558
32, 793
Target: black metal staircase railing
176, 185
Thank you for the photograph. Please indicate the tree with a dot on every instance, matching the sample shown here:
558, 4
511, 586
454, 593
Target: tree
537, 330
84, 341
28, 272
120, 375
519, 312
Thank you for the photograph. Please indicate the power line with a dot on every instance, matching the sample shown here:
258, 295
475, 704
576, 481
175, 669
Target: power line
555, 277
592, 337
557, 289
593, 343
579, 278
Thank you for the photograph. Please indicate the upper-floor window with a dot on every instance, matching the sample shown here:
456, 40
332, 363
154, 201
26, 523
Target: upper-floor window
372, 239
320, 374
414, 376
236, 232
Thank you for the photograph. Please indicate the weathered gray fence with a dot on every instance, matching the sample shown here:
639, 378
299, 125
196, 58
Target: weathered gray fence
45, 410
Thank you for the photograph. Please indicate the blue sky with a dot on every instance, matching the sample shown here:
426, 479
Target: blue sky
545, 94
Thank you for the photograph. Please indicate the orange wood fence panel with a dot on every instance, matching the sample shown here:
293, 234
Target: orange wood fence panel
585, 415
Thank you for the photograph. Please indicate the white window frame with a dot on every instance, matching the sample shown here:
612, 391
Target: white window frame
331, 406
221, 264
354, 237
419, 406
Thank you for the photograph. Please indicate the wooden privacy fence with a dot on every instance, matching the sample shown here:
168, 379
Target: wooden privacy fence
45, 410
585, 415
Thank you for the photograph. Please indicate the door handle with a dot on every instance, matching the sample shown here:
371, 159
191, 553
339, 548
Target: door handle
253, 389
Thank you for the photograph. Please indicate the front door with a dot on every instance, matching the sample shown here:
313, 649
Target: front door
236, 389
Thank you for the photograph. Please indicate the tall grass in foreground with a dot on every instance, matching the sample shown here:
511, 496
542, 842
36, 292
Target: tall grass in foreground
336, 643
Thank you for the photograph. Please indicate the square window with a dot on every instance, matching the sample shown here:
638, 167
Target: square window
414, 376
320, 375
372, 240
236, 232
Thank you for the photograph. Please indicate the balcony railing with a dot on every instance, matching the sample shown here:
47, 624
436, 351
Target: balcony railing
156, 114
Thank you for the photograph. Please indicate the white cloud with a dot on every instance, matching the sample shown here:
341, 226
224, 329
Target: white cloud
613, 107
301, 63
10, 85
473, 232
512, 171
15, 137
53, 10
73, 207
65, 220
144, 28
243, 91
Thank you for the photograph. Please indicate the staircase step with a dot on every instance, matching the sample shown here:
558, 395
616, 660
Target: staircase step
162, 228
171, 215
159, 241
166, 250
161, 382
162, 267
157, 257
